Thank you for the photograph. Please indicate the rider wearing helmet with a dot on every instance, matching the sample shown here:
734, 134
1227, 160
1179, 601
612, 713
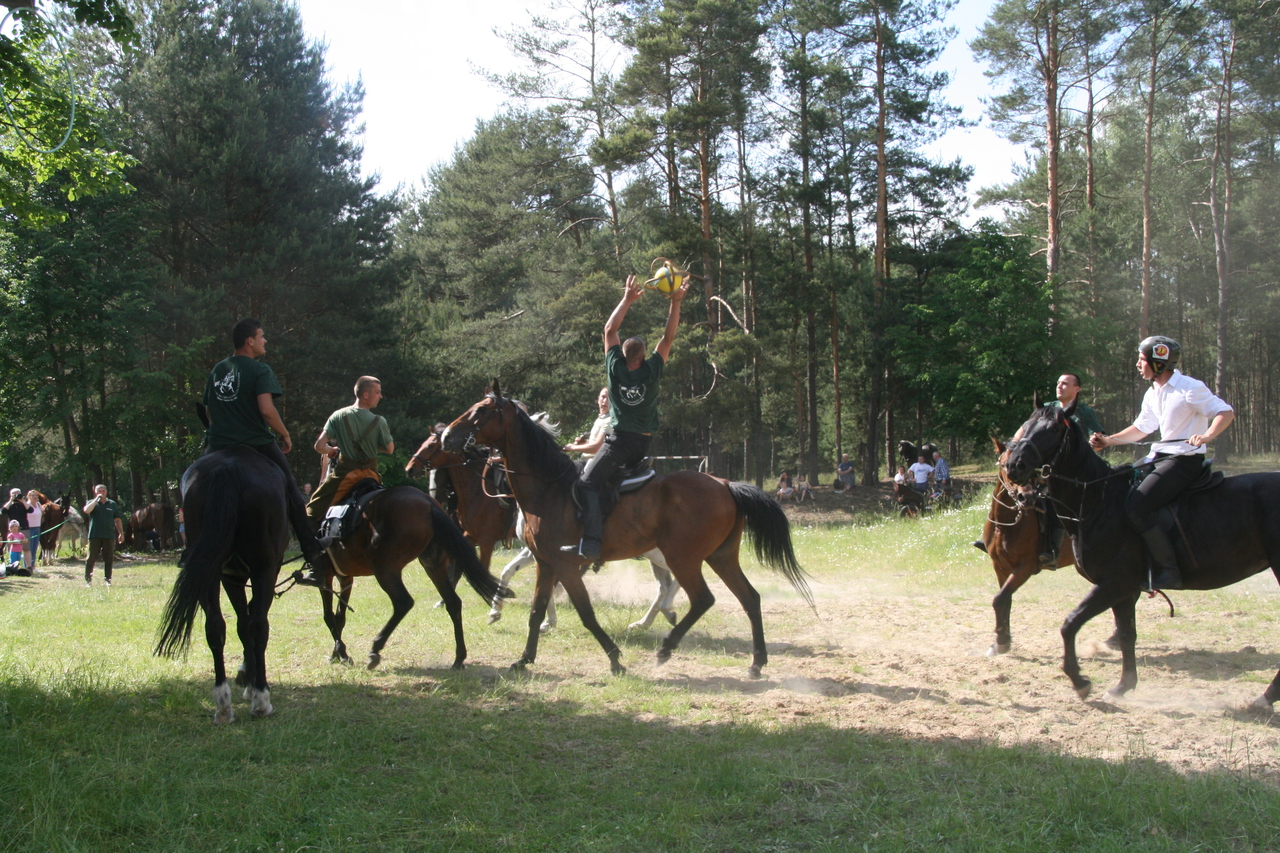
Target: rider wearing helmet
1189, 416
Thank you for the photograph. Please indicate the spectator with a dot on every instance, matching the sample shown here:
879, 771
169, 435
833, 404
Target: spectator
921, 471
101, 512
844, 473
901, 476
17, 542
16, 509
941, 474
35, 516
803, 492
785, 486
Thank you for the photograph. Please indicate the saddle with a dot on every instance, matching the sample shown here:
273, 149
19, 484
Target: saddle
624, 481
342, 519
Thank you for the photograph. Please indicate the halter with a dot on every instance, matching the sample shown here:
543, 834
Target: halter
488, 414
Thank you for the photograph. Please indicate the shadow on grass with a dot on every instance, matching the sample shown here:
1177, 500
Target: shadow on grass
447, 762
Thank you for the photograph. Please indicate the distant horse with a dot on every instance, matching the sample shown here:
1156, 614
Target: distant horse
689, 517
486, 521
400, 524
1222, 536
51, 517
158, 517
72, 532
235, 512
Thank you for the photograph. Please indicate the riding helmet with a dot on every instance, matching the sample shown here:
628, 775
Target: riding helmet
1161, 352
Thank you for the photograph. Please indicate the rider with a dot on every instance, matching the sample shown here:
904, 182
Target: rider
239, 396
1176, 405
352, 438
1051, 531
633, 401
591, 443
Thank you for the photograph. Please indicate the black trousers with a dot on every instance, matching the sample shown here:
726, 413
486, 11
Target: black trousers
1168, 479
620, 450
104, 549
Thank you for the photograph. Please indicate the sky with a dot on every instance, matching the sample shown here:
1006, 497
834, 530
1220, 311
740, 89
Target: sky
422, 96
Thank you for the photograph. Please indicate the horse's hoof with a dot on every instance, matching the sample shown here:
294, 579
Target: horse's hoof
545, 627
1261, 705
374, 660
999, 649
519, 666
1116, 693
1085, 689
494, 615
671, 616
664, 655
222, 717
457, 665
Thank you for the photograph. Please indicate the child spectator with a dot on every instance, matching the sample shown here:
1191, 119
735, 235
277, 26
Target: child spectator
17, 544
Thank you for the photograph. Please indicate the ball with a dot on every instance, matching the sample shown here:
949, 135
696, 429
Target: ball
668, 280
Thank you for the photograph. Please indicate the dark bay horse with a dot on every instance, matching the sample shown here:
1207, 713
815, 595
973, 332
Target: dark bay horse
1225, 535
51, 518
689, 517
399, 525
486, 522
235, 512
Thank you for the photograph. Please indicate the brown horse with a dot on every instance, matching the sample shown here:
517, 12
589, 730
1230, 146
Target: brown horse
484, 520
689, 517
1011, 538
399, 524
52, 515
155, 516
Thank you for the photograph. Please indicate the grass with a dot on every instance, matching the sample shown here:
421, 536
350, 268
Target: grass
104, 747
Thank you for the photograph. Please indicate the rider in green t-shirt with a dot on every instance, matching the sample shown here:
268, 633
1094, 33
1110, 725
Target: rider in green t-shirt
633, 400
239, 396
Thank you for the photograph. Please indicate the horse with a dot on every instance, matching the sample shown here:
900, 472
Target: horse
155, 516
1225, 534
1011, 538
72, 532
399, 524
485, 521
235, 512
688, 516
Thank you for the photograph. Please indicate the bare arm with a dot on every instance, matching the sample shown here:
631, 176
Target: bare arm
1219, 425
1129, 433
119, 532
586, 446
673, 322
267, 406
323, 445
630, 293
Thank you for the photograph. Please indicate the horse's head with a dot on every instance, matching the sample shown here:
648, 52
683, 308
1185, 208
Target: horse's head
1044, 438
484, 423
420, 461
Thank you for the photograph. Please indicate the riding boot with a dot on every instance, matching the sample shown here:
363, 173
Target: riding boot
316, 559
1052, 548
592, 526
1164, 560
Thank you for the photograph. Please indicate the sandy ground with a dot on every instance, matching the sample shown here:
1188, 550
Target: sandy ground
880, 657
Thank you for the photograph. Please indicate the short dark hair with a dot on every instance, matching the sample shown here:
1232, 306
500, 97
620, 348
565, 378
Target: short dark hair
1076, 377
242, 331
633, 348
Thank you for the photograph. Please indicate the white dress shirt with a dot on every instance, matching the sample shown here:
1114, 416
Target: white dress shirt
1179, 409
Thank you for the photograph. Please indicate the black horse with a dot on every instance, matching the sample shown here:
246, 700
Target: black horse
234, 504
1230, 533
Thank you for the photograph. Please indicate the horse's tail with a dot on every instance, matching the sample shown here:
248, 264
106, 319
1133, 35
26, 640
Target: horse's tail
448, 539
201, 567
771, 533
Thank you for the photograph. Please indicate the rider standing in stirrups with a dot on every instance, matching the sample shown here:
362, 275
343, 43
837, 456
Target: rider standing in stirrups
1180, 407
633, 402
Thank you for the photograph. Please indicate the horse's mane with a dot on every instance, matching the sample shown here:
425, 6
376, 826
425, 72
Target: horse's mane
546, 459
1092, 466
543, 419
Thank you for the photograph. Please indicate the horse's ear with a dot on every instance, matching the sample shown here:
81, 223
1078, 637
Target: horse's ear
497, 392
1071, 409
999, 445
1036, 400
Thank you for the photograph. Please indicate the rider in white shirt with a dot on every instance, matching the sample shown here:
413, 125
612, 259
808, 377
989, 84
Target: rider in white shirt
1189, 416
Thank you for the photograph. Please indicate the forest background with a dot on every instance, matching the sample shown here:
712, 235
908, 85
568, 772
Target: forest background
777, 149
